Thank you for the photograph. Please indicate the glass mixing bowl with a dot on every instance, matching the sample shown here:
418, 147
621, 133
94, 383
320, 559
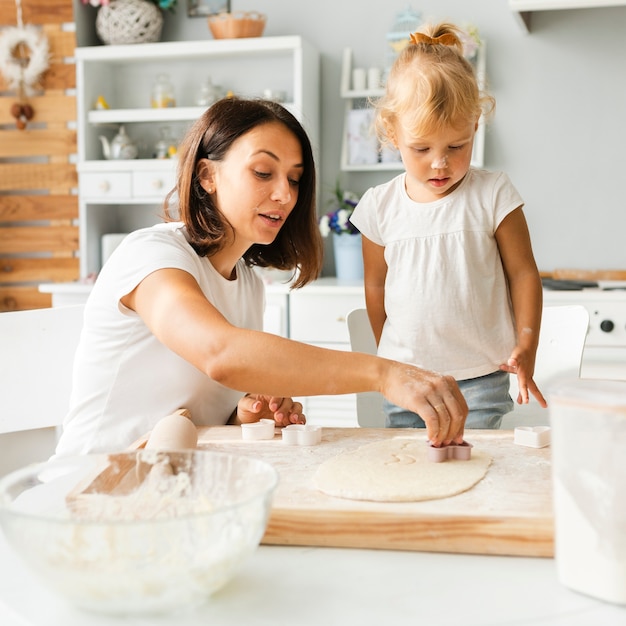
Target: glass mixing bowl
137, 532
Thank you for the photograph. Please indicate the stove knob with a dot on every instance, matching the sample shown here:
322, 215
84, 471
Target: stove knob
607, 326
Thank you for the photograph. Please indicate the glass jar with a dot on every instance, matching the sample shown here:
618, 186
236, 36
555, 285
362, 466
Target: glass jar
163, 93
165, 147
208, 93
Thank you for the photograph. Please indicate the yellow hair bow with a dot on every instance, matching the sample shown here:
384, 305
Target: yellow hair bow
447, 39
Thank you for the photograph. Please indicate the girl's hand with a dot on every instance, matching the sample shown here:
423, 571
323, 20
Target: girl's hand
525, 381
284, 411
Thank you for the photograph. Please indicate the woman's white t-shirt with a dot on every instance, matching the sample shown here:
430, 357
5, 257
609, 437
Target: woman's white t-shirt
446, 295
125, 379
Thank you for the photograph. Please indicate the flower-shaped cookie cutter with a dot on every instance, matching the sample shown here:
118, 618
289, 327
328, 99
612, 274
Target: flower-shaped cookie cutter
532, 436
254, 431
458, 451
302, 435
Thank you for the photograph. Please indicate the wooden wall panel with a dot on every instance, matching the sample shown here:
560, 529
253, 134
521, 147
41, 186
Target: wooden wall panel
57, 177
49, 107
36, 142
21, 298
28, 270
37, 208
38, 180
37, 12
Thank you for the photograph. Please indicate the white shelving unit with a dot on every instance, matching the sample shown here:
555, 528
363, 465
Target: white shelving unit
362, 99
523, 9
122, 195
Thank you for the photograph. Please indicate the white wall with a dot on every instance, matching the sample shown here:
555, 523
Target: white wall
561, 99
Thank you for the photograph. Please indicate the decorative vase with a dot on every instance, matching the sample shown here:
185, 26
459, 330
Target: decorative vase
129, 21
348, 256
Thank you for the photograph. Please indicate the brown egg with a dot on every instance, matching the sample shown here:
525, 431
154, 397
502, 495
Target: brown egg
174, 432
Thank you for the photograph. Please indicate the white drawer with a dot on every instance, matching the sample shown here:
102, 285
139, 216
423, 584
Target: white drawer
153, 183
321, 318
103, 185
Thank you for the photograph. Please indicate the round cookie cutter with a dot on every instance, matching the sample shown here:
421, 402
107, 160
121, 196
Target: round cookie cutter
302, 435
254, 431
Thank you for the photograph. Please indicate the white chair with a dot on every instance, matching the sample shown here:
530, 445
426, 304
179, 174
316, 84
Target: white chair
36, 358
559, 354
369, 405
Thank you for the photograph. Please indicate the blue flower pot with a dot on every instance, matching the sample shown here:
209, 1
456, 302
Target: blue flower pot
348, 256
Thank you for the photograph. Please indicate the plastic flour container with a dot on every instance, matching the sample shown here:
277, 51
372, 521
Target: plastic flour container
588, 419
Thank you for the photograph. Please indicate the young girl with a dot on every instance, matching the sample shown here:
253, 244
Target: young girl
175, 317
450, 279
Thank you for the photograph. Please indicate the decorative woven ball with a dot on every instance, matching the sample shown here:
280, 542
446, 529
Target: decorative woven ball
129, 21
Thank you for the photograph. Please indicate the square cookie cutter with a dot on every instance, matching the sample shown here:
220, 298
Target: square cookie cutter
456, 451
532, 436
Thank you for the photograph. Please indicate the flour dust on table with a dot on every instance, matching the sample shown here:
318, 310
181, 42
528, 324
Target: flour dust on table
398, 470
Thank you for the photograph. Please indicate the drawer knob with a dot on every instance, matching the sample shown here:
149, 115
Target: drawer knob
157, 183
104, 186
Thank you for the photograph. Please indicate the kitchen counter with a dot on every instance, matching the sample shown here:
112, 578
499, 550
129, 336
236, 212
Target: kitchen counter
302, 586
311, 585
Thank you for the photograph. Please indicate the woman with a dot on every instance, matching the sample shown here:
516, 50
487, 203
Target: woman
175, 317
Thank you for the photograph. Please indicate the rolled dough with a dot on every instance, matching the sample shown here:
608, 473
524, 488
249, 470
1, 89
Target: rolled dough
398, 470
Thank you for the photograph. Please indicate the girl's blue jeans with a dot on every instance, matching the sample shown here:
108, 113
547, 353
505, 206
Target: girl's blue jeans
487, 397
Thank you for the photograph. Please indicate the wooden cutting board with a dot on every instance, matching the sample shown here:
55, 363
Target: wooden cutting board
509, 512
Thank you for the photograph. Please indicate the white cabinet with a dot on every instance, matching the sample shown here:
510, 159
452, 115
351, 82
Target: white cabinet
317, 315
523, 9
362, 99
276, 316
122, 195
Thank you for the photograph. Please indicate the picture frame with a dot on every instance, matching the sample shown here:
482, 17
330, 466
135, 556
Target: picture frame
204, 8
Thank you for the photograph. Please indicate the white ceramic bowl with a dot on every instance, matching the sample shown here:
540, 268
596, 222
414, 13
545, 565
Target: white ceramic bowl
170, 529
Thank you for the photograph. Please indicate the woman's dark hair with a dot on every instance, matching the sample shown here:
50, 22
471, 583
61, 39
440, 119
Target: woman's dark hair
298, 243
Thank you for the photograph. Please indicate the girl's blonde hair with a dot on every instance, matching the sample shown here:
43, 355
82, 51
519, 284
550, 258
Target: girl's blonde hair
430, 86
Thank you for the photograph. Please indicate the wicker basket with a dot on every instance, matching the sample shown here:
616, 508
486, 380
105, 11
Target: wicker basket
238, 24
129, 21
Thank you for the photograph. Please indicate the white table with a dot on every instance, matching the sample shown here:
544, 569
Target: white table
293, 586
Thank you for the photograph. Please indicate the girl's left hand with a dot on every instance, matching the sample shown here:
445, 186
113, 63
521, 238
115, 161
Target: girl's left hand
525, 382
284, 411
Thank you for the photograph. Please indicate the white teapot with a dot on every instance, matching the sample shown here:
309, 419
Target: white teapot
120, 148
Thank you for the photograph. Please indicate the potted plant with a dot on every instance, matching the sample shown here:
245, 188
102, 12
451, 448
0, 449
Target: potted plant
346, 237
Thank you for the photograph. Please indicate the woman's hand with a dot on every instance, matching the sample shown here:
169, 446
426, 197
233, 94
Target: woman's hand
436, 398
284, 411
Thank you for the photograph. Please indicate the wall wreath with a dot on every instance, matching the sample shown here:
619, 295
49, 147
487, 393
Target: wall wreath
24, 57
